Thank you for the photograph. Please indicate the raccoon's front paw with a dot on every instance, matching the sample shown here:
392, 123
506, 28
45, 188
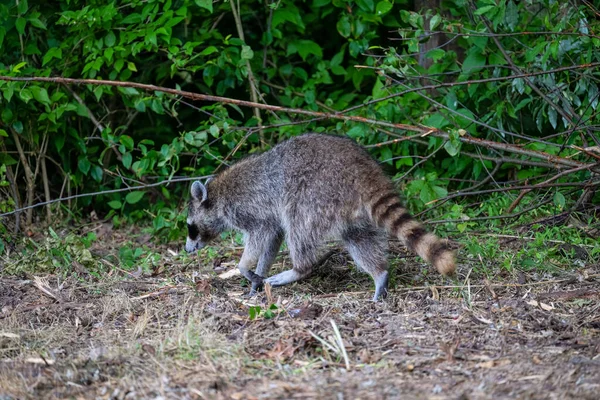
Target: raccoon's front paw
257, 282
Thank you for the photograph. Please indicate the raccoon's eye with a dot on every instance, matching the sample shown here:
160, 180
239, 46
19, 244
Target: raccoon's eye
192, 231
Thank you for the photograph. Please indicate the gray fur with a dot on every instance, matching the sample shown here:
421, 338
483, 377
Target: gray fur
308, 189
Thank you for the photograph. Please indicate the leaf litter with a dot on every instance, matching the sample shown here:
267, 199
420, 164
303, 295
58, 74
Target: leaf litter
184, 332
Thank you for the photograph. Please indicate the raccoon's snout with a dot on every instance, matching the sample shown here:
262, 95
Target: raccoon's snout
193, 245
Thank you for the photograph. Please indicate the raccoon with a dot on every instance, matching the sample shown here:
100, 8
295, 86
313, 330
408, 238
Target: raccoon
305, 190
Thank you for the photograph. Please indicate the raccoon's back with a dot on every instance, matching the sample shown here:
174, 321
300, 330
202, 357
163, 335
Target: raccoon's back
329, 168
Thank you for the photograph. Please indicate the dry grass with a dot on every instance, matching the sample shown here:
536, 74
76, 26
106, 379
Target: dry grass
184, 334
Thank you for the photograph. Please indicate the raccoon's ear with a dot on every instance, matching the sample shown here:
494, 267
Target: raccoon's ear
199, 191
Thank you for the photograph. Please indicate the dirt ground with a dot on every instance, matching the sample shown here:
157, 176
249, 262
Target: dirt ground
183, 332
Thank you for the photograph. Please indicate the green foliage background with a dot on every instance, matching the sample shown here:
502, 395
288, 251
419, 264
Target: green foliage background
304, 54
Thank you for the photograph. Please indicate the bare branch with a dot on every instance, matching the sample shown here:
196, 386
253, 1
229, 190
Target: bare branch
555, 161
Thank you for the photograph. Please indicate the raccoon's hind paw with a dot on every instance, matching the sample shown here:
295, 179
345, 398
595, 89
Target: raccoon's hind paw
283, 278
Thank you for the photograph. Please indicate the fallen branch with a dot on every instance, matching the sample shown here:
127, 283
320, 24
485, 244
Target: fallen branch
555, 161
571, 294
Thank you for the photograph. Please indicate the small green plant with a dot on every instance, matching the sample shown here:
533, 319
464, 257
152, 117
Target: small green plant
137, 258
56, 254
255, 312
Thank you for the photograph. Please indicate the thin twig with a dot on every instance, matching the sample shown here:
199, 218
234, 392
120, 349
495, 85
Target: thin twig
235, 9
76, 196
28, 178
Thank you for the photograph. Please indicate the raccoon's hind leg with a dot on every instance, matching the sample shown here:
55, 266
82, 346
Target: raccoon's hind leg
367, 246
303, 255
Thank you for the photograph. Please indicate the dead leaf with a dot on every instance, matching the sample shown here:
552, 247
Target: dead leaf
494, 363
230, 274
365, 356
10, 335
268, 293
149, 349
306, 311
282, 350
450, 348
203, 286
543, 306
435, 294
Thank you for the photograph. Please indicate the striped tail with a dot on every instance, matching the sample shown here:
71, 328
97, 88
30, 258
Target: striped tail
387, 212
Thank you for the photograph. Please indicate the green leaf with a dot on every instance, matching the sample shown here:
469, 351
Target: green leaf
59, 142
96, 173
344, 27
304, 48
131, 66
484, 10
452, 148
366, 5
115, 204
287, 14
54, 52
338, 58
18, 127
474, 60
18, 67
356, 132
126, 141
37, 23
379, 89
208, 50
206, 4
559, 200
40, 94
7, 115
436, 54
157, 106
129, 91
84, 165
110, 39
108, 54
253, 312
198, 139
3, 133
22, 7
126, 160
247, 53
434, 22
134, 197
383, 7
20, 25
7, 159
553, 117
132, 19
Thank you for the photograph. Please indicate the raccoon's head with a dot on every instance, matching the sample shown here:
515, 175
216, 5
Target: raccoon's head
202, 221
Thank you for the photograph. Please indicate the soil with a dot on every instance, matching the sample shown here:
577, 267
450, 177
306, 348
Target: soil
182, 332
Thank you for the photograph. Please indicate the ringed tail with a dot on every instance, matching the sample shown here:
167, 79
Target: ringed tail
387, 212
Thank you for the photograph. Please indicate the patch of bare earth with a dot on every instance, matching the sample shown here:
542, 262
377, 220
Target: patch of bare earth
186, 333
